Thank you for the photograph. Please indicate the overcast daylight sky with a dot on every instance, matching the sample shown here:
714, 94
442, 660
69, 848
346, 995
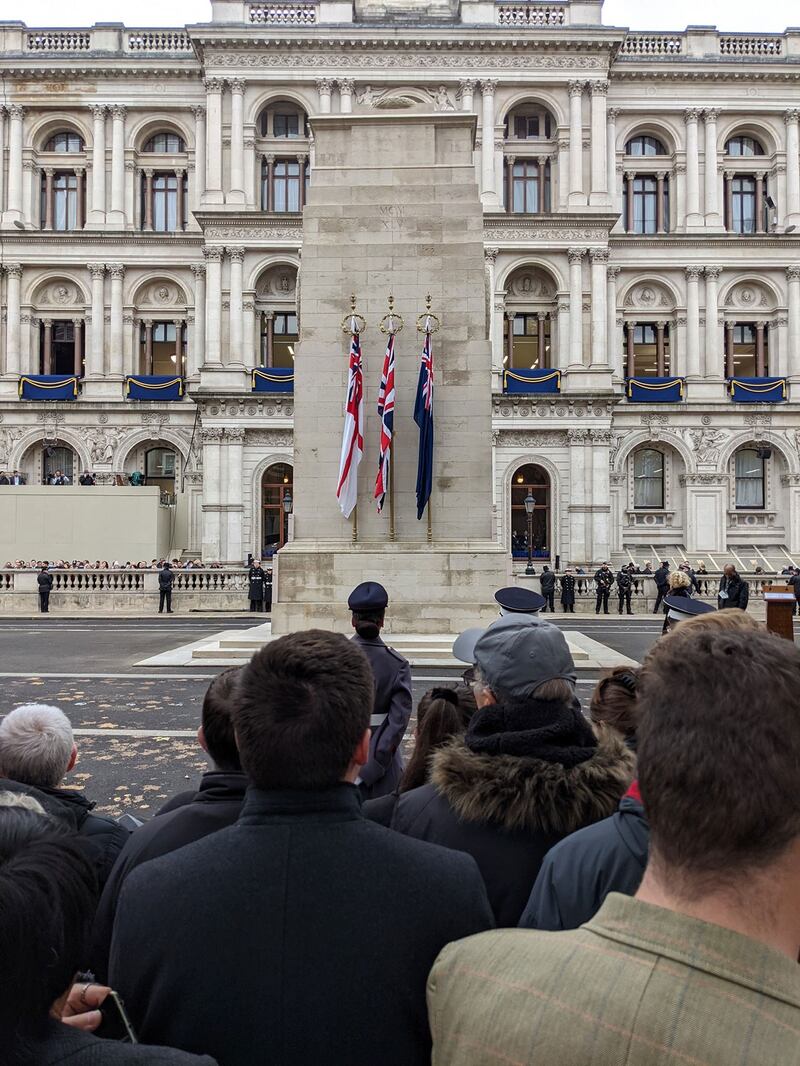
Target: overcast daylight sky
766, 15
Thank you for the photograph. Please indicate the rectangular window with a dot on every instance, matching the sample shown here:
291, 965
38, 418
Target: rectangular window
645, 199
530, 187
526, 352
648, 480
286, 187
749, 480
743, 204
285, 126
165, 203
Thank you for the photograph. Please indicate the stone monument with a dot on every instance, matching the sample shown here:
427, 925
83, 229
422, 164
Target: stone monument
393, 208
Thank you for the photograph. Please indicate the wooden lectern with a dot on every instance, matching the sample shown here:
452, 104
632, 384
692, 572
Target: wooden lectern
780, 601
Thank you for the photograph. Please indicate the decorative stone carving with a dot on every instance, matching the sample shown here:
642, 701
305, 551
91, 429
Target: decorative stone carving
749, 295
8, 438
649, 295
374, 59
275, 438
61, 293
758, 419
278, 282
101, 444
533, 438
155, 418
706, 443
531, 283
163, 293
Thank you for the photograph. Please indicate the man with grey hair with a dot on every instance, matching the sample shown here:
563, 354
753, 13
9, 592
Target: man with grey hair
37, 750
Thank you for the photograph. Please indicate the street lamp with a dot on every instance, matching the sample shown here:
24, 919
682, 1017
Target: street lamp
530, 503
287, 502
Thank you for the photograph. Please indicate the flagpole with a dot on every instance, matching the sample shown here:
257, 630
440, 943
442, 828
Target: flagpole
355, 524
391, 324
352, 445
428, 324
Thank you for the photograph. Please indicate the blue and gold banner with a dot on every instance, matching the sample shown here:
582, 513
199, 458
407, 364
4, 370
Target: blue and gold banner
655, 390
757, 390
48, 387
519, 380
272, 379
153, 387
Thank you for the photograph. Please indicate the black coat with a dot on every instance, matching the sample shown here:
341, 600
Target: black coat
604, 579
624, 582
568, 590
166, 579
45, 582
577, 875
508, 811
738, 592
215, 806
65, 1044
301, 936
257, 587
548, 583
661, 577
390, 715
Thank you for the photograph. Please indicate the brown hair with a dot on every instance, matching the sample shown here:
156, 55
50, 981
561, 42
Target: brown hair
301, 707
442, 713
718, 708
614, 703
218, 723
368, 623
730, 621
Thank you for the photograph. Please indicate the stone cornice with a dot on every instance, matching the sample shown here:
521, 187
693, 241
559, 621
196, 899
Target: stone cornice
500, 227
716, 71
61, 67
38, 238
718, 241
250, 226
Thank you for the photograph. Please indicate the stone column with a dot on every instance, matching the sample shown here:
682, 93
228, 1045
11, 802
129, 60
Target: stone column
15, 163
324, 89
199, 186
248, 331
47, 346
577, 505
630, 349
792, 118
180, 207
236, 86
792, 363
729, 328
499, 145
710, 116
212, 474
660, 349
213, 183
80, 175
30, 174
562, 311
97, 213
466, 88
576, 143
250, 171
345, 95
13, 280
488, 192
613, 342
269, 319
148, 198
94, 363
490, 264
48, 197
778, 344
148, 346
233, 545
3, 113
178, 324
117, 214
760, 201
693, 321
761, 328
575, 256
599, 260
213, 306
132, 193
510, 316
117, 272
693, 216
611, 154
600, 189
302, 159
662, 223
77, 346
712, 367
728, 187
196, 352
236, 256
563, 173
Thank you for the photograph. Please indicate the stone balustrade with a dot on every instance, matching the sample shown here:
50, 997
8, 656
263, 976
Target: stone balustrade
531, 14
283, 14
171, 41
652, 45
58, 41
701, 43
769, 45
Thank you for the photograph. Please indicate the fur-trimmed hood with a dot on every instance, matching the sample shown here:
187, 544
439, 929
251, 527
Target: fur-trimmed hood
531, 794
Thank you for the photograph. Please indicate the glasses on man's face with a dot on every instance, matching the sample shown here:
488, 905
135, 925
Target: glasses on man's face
468, 677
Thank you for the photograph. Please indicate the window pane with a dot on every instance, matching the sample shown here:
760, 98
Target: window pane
749, 479
648, 479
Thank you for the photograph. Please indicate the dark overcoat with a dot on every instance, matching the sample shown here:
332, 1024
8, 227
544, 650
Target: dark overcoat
568, 590
390, 715
65, 1044
738, 592
302, 935
257, 584
548, 583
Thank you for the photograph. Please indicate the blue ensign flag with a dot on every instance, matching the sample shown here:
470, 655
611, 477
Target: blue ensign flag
423, 416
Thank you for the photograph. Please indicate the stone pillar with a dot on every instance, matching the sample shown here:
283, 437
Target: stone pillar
629, 211
630, 349
693, 321
563, 341
499, 145
178, 324
576, 143
213, 306
466, 88
212, 473
13, 284
117, 214
80, 175
302, 160
599, 190
48, 197
324, 89
47, 346
693, 216
94, 363
713, 218
236, 256
778, 347
15, 163
575, 256
728, 176
269, 320
713, 354
180, 207
662, 223
611, 155
198, 189
760, 201
233, 546
792, 363
792, 214
148, 346
132, 193
599, 280
729, 328
213, 183
77, 346
117, 272
601, 494
248, 331
236, 196
761, 328
577, 505
613, 342
563, 173
345, 95
148, 198
488, 192
660, 349
3, 113
30, 174
97, 213
196, 350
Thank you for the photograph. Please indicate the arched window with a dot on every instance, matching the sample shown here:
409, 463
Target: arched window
283, 121
530, 122
65, 142
749, 479
746, 349
165, 143
276, 486
531, 480
159, 469
645, 145
744, 146
57, 459
648, 479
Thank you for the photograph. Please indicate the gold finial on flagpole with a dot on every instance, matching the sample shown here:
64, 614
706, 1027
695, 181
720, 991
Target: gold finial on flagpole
354, 323
392, 323
428, 322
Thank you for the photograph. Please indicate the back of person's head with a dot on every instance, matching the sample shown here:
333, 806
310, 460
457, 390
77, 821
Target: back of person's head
678, 579
301, 707
218, 732
442, 713
48, 891
719, 708
614, 705
718, 621
36, 745
368, 624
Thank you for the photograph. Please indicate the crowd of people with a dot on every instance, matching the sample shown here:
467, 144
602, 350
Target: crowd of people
534, 885
104, 564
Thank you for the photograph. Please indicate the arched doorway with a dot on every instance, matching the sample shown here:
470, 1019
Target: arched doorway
533, 480
159, 469
276, 500
58, 458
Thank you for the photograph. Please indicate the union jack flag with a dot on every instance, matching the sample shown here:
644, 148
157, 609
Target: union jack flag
423, 416
353, 438
386, 415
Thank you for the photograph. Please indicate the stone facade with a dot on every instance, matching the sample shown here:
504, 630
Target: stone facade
167, 217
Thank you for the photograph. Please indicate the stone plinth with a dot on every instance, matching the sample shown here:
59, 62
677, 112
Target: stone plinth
393, 207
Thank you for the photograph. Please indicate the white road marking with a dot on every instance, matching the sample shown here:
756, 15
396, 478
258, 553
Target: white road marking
135, 732
130, 677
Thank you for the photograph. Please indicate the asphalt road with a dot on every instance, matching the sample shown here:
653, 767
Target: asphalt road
135, 729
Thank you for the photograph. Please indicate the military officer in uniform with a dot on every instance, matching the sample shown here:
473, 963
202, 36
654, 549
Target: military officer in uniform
681, 609
257, 589
517, 600
392, 675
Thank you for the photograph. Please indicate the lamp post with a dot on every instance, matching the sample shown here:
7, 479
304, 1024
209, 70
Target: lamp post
530, 503
287, 502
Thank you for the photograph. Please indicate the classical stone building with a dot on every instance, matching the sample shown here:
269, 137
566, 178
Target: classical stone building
641, 205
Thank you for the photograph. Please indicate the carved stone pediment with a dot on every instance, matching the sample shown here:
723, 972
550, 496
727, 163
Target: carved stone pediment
162, 293
650, 295
277, 283
750, 296
531, 283
61, 293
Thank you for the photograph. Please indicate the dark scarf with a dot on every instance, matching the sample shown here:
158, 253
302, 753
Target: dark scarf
535, 729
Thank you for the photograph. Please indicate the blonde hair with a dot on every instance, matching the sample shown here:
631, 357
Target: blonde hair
678, 580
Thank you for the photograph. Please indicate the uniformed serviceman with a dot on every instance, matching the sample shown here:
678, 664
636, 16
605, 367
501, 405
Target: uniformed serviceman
681, 608
517, 600
257, 589
392, 675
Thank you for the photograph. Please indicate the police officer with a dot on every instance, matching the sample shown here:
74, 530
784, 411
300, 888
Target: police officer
392, 676
166, 579
604, 579
44, 580
548, 583
516, 600
625, 589
258, 580
680, 608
